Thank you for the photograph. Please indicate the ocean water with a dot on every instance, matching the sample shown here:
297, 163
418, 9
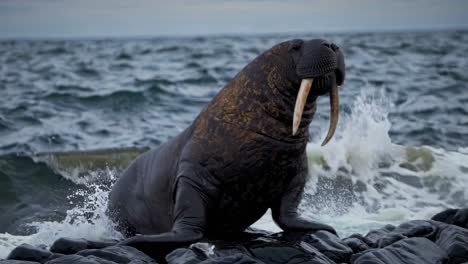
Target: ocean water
73, 113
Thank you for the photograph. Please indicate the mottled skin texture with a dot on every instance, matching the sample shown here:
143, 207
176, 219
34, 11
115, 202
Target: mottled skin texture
236, 160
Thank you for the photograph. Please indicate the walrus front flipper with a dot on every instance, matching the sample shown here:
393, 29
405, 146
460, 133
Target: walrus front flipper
285, 214
189, 223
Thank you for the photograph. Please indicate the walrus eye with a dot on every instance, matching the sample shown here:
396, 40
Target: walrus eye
301, 101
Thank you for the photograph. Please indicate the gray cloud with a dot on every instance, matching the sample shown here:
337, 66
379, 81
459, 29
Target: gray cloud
53, 18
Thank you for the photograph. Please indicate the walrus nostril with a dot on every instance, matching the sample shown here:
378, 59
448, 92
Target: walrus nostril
334, 47
326, 44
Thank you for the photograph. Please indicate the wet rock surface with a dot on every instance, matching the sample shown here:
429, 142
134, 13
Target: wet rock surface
458, 217
409, 250
356, 242
29, 253
443, 239
71, 246
454, 241
330, 245
17, 262
108, 255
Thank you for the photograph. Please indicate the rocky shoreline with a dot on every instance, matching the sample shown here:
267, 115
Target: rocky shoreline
443, 239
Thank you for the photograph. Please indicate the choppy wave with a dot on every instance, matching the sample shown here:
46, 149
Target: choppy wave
360, 180
400, 151
157, 86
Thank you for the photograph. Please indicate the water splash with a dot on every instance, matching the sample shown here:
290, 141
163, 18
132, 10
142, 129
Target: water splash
362, 180
362, 140
87, 218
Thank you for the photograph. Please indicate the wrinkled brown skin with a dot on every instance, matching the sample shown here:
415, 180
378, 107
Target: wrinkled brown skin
222, 173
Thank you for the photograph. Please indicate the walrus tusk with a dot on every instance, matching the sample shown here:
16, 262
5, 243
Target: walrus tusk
335, 109
300, 103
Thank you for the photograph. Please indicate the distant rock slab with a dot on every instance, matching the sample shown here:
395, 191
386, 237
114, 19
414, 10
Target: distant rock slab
442, 240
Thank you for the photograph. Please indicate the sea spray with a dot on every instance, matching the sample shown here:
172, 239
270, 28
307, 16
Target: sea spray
362, 180
86, 219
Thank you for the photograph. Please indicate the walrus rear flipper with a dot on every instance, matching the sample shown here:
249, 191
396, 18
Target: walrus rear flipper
189, 224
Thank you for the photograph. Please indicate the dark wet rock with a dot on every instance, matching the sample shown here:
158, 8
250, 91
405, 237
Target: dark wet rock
461, 218
418, 228
278, 248
415, 228
417, 241
415, 250
234, 259
12, 261
373, 237
254, 247
390, 239
318, 257
445, 216
108, 255
71, 246
118, 254
185, 255
300, 253
454, 241
29, 253
330, 245
54, 256
458, 217
190, 256
76, 259
356, 242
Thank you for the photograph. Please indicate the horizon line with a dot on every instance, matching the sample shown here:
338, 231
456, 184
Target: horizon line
233, 34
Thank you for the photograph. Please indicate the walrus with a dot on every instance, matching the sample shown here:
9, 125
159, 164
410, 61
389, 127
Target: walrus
244, 153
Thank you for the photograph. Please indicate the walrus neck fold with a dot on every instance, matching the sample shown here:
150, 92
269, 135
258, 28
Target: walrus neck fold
278, 70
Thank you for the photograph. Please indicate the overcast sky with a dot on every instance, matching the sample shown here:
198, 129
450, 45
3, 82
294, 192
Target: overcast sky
94, 18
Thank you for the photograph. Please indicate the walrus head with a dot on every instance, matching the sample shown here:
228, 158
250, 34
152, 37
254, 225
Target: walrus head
277, 89
320, 67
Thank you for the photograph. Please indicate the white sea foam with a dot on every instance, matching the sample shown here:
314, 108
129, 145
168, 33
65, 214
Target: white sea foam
401, 182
